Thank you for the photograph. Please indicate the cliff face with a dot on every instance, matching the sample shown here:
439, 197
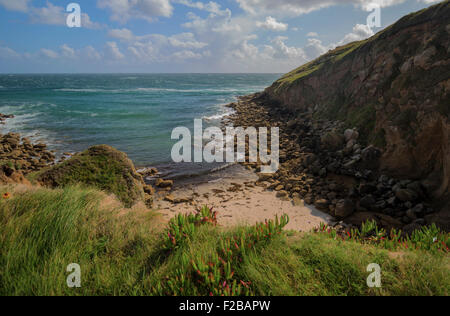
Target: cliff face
394, 87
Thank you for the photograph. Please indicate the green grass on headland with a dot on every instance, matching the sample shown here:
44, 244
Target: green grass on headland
42, 231
101, 166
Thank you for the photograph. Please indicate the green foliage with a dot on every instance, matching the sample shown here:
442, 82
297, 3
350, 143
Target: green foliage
429, 238
102, 167
42, 231
364, 119
7, 163
182, 227
212, 273
312, 67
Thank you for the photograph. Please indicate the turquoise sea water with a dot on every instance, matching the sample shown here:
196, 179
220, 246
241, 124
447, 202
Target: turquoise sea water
135, 113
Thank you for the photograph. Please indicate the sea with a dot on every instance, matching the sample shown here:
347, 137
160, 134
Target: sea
134, 113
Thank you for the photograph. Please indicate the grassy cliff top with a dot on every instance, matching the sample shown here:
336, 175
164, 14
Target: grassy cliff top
438, 11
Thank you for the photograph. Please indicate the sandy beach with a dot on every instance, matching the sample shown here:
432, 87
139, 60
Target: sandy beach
239, 200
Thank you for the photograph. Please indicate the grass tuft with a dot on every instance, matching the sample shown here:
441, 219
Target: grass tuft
42, 231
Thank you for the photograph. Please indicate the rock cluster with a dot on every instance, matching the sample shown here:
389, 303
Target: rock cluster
4, 117
21, 154
323, 164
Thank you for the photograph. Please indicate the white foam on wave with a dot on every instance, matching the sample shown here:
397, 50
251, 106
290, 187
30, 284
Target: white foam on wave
81, 90
222, 111
217, 117
21, 124
208, 90
18, 108
18, 122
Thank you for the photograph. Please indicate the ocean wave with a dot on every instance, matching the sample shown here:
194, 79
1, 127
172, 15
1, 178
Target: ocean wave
22, 123
20, 107
81, 90
219, 116
208, 90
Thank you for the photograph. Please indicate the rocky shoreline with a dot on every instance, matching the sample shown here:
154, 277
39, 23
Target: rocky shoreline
323, 164
19, 156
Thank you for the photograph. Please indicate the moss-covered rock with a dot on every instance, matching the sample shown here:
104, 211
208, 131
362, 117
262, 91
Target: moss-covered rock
102, 167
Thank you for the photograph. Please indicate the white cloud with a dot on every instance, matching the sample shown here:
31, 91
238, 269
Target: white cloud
360, 32
186, 40
90, 53
124, 10
282, 50
186, 54
68, 52
15, 5
312, 34
298, 7
272, 24
212, 7
122, 34
88, 23
160, 48
49, 53
113, 51
51, 14
7, 53
56, 15
315, 48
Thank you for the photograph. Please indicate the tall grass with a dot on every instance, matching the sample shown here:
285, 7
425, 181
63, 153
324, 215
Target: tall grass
42, 231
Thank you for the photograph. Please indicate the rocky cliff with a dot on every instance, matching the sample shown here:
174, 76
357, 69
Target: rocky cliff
394, 87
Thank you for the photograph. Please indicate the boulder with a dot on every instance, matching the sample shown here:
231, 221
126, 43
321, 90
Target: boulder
367, 202
149, 189
367, 188
406, 195
170, 198
344, 208
322, 204
332, 141
265, 176
351, 134
370, 156
282, 194
163, 184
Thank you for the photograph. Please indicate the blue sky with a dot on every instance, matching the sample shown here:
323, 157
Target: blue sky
183, 35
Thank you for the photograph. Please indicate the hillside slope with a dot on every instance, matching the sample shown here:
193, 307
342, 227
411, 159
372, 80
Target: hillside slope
394, 87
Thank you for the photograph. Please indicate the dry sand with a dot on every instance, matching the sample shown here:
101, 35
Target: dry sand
248, 205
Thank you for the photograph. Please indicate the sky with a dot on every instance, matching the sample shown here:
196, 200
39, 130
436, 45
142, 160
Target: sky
184, 36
